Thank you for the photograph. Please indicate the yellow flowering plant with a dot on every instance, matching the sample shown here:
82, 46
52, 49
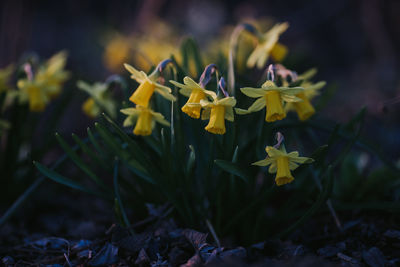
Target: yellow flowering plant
39, 88
155, 153
271, 97
144, 119
281, 162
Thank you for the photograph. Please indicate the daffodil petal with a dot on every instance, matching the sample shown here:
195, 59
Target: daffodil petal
258, 105
185, 91
240, 111
130, 111
273, 152
227, 101
192, 84
136, 75
229, 114
273, 167
253, 92
160, 118
129, 121
264, 162
165, 94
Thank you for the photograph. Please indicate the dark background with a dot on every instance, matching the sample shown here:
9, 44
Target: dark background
354, 44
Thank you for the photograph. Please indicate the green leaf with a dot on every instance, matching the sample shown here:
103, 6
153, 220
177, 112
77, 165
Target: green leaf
232, 168
78, 161
118, 197
190, 51
65, 181
93, 156
191, 161
132, 145
121, 153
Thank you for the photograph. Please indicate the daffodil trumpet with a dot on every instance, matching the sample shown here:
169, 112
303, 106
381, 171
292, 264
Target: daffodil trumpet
282, 163
148, 85
144, 119
196, 91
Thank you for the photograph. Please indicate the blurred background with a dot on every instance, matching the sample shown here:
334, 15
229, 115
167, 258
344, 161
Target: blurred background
354, 44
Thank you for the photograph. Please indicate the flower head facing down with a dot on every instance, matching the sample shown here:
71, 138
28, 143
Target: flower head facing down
99, 99
268, 45
282, 163
143, 118
272, 97
196, 92
305, 109
148, 85
217, 111
38, 89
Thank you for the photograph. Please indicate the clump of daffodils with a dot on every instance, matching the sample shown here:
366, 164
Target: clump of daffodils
281, 162
213, 107
100, 99
40, 87
142, 115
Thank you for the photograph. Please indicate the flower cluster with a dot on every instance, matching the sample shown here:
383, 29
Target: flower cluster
39, 88
282, 92
142, 115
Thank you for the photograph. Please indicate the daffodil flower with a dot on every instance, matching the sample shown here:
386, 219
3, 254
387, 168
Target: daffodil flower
271, 97
46, 84
281, 163
144, 119
100, 99
219, 110
304, 109
53, 75
147, 87
268, 45
196, 93
5, 76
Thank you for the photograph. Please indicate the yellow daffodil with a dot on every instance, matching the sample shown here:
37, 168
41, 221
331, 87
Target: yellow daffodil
5, 76
304, 109
144, 119
116, 53
147, 87
196, 93
217, 112
100, 99
46, 84
282, 163
271, 97
53, 75
268, 45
